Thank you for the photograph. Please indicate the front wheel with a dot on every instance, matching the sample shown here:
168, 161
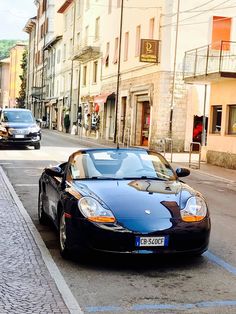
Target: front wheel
65, 253
43, 219
37, 145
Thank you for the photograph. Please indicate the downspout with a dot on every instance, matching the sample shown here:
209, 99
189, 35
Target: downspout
72, 61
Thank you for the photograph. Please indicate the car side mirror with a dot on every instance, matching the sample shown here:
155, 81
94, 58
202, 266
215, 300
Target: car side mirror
182, 172
54, 172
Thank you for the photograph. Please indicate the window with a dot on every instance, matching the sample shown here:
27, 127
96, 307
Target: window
87, 4
221, 30
216, 119
126, 48
78, 39
71, 46
85, 75
41, 31
78, 8
109, 6
86, 35
106, 58
115, 60
232, 119
65, 22
151, 28
97, 28
58, 56
64, 52
137, 42
95, 72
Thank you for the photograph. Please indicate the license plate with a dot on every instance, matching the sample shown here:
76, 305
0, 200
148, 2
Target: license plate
151, 241
19, 136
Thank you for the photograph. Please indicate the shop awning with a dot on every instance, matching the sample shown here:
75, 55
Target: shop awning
101, 99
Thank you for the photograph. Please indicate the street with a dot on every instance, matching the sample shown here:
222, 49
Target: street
110, 284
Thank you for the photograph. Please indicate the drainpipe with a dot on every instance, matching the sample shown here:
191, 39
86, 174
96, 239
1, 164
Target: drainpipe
116, 134
174, 72
72, 62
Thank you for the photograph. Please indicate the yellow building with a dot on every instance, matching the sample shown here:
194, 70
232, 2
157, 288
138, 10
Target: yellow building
16, 54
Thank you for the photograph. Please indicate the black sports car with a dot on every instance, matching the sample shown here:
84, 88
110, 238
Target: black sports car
123, 201
18, 127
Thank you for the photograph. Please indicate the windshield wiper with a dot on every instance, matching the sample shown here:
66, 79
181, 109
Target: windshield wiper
145, 177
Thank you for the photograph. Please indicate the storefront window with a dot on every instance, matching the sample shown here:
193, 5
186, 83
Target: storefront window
216, 119
232, 119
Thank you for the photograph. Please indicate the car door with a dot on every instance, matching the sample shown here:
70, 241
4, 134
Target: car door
54, 188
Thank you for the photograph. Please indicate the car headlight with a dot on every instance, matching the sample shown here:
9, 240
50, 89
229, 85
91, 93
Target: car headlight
34, 129
94, 211
195, 210
3, 129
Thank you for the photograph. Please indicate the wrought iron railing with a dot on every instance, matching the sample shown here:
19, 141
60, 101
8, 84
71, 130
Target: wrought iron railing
214, 58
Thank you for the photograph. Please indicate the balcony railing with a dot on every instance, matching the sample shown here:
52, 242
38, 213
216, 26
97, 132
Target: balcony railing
217, 59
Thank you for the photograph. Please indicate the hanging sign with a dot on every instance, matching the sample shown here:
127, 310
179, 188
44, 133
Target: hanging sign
149, 50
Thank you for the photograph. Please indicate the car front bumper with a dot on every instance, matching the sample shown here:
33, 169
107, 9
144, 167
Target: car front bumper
30, 139
183, 238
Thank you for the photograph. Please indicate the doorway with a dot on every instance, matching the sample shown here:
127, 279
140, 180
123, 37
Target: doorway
145, 124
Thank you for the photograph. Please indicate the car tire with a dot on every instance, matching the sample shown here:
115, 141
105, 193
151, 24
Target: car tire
64, 251
37, 145
42, 216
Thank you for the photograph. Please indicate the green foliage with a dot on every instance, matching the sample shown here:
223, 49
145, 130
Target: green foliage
5, 46
23, 77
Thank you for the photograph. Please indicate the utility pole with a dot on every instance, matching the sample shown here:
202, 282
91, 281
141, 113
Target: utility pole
116, 133
174, 71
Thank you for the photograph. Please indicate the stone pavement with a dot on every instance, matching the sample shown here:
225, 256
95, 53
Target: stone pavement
26, 285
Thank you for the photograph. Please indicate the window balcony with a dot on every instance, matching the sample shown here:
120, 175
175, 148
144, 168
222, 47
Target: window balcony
210, 63
85, 53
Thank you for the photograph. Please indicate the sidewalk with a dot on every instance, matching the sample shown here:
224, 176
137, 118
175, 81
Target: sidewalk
179, 159
30, 280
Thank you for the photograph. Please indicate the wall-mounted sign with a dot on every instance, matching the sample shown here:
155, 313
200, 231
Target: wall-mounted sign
149, 50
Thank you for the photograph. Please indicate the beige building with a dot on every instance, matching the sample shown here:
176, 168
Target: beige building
4, 82
15, 70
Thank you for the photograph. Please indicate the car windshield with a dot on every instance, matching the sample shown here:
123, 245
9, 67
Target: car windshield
120, 164
18, 116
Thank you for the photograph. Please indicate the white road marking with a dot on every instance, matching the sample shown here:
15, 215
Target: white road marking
25, 184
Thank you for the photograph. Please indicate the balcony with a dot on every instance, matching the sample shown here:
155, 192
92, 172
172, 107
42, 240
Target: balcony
210, 63
85, 53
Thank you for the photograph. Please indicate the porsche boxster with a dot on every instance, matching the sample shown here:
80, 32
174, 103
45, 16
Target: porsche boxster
123, 201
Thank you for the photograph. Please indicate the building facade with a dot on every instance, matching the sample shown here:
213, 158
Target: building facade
15, 71
95, 76
4, 82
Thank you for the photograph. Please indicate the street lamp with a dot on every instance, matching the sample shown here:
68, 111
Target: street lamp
116, 135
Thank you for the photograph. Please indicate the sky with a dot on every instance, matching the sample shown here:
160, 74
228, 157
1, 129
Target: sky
14, 14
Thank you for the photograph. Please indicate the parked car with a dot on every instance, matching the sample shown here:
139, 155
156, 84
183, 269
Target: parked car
123, 201
18, 127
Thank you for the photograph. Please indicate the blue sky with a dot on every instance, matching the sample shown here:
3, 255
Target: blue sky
13, 17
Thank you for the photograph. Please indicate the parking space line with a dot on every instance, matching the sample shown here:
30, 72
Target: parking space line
220, 262
26, 184
161, 307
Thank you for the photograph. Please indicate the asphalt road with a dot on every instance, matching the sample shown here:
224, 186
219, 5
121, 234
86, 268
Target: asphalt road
110, 284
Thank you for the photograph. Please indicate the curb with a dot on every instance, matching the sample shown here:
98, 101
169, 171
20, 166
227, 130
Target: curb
55, 273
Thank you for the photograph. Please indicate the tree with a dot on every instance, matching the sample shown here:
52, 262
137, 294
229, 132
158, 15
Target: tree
23, 77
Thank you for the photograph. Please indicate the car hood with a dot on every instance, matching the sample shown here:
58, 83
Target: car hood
19, 125
140, 205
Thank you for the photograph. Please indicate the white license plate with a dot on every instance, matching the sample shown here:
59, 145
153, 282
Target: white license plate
151, 241
19, 136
